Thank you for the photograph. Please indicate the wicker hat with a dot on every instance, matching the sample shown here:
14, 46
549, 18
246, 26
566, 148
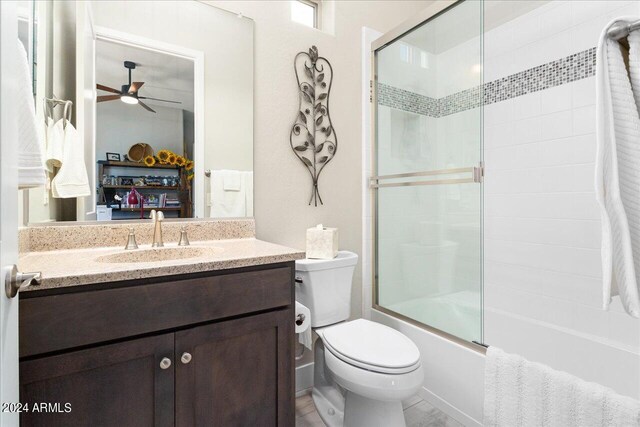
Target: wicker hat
137, 152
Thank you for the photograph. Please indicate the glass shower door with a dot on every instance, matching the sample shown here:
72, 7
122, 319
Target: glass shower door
428, 173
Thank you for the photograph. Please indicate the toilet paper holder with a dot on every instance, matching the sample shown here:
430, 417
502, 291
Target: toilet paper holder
300, 319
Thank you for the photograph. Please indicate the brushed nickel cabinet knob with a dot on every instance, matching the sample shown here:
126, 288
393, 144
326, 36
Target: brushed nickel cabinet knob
165, 363
186, 358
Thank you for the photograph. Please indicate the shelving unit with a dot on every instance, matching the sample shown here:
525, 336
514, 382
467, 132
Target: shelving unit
183, 193
135, 165
148, 208
140, 187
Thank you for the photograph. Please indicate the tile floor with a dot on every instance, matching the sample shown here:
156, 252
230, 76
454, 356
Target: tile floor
417, 413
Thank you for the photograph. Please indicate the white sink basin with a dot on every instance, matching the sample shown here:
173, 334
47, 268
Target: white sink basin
160, 254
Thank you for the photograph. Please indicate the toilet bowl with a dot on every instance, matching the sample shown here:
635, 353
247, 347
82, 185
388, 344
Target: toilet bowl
363, 370
377, 367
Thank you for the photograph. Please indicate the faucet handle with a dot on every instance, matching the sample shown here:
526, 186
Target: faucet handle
131, 240
156, 215
184, 240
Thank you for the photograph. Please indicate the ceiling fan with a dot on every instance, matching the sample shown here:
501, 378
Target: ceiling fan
129, 92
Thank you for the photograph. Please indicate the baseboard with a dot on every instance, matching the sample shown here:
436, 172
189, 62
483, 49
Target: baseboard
447, 408
304, 377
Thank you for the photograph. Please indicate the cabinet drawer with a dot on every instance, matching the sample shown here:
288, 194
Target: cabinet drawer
57, 322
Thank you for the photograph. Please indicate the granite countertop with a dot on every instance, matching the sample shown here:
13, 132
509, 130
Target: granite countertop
76, 267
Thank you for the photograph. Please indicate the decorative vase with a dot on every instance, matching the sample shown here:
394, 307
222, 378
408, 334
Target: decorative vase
133, 197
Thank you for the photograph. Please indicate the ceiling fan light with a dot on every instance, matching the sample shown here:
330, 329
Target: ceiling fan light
128, 99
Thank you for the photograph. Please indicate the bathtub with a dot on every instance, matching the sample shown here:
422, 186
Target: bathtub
454, 373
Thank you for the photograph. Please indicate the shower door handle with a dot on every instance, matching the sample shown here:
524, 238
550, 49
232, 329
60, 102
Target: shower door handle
478, 173
475, 175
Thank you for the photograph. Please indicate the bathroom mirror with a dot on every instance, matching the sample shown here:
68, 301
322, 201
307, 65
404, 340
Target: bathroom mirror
162, 110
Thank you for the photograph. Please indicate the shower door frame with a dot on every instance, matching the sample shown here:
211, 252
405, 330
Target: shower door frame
419, 19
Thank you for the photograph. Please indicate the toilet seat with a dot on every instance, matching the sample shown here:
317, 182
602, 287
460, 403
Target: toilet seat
372, 346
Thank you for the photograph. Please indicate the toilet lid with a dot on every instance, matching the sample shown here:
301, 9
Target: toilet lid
371, 344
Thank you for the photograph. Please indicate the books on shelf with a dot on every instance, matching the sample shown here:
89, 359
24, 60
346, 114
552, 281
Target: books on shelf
162, 201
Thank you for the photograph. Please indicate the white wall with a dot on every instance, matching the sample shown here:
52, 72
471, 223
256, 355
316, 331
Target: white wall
119, 126
282, 185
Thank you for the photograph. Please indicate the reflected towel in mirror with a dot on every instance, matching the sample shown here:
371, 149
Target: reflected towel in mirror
30, 144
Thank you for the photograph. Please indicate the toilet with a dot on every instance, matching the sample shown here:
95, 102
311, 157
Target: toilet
363, 370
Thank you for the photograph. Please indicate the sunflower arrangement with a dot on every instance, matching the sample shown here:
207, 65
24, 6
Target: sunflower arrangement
163, 156
149, 161
168, 157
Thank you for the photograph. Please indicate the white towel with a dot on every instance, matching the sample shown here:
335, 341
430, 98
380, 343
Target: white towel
522, 393
54, 134
231, 180
30, 145
634, 64
71, 180
618, 175
226, 204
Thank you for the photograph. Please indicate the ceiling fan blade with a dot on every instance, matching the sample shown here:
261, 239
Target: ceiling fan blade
108, 98
158, 99
135, 86
107, 89
145, 106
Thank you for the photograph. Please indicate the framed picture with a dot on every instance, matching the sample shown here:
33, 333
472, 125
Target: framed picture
113, 157
125, 180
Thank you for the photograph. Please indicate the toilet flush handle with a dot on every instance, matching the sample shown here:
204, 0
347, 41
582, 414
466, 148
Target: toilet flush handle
300, 319
298, 279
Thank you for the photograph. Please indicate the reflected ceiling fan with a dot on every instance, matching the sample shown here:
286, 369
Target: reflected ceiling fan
129, 92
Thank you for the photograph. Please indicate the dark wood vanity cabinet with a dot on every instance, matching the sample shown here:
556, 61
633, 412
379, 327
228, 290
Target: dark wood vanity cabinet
205, 350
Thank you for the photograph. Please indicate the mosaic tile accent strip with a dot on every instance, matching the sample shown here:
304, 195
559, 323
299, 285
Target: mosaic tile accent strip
555, 73
408, 101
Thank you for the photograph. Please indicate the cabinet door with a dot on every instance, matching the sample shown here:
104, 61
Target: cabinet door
236, 373
112, 385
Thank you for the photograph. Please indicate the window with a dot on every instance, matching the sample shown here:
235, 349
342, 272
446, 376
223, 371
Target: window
406, 53
305, 12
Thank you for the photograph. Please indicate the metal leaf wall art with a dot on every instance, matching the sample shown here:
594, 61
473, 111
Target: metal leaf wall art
312, 137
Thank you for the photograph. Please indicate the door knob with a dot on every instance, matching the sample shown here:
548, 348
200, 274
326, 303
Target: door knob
186, 358
14, 280
165, 363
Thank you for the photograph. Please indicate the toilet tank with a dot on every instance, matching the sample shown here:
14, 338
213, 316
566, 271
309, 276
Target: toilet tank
324, 287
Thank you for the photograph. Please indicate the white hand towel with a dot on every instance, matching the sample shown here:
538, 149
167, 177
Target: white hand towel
225, 204
231, 180
71, 180
522, 393
30, 161
55, 144
617, 175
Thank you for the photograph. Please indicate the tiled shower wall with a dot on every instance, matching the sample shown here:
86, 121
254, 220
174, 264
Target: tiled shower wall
542, 225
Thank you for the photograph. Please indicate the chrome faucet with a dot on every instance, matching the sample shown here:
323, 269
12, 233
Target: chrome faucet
157, 218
